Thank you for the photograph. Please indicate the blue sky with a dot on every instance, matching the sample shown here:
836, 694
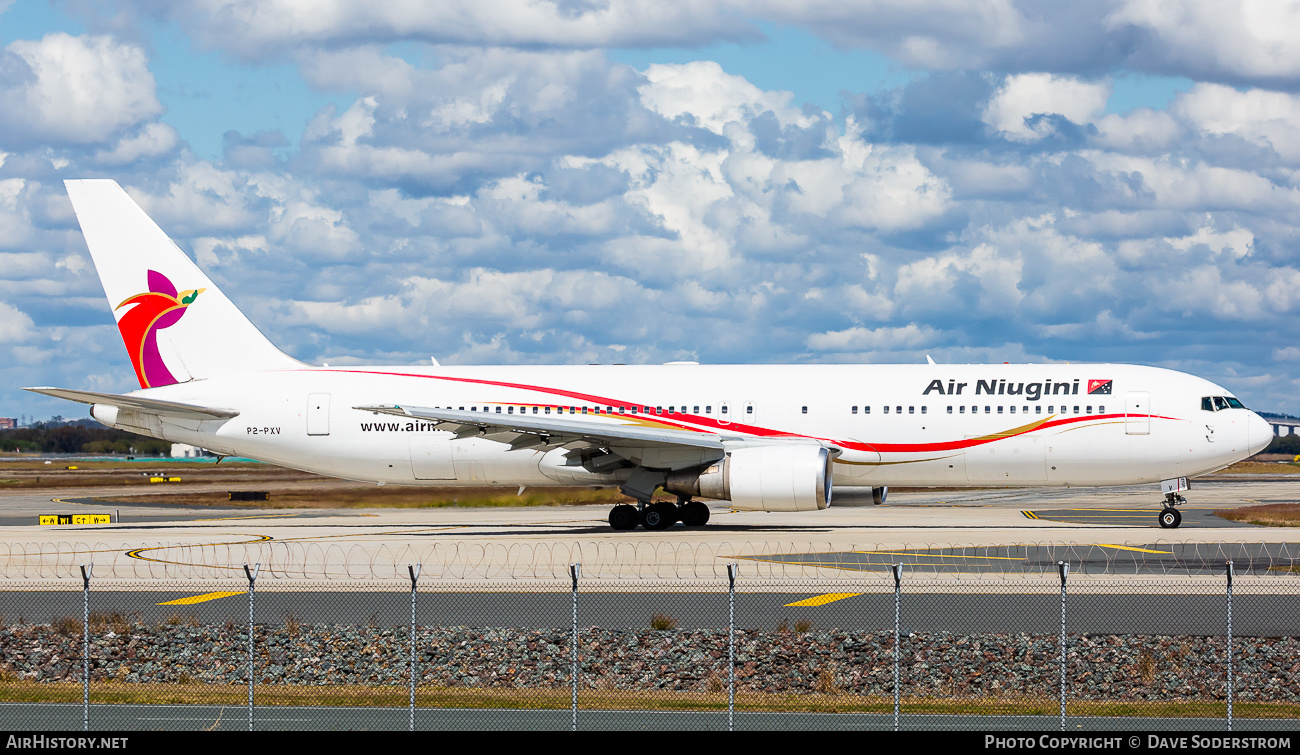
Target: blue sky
520, 182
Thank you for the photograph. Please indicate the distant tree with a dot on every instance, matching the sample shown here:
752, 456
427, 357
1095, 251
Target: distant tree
67, 439
1284, 444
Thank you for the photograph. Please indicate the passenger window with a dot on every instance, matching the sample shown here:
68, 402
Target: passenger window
950, 410
498, 410
1088, 410
886, 410
659, 410
961, 410
923, 410
988, 410
473, 408
1012, 409
866, 410
911, 410
708, 409
898, 410
749, 408
805, 410
1101, 410
1038, 409
855, 410
723, 410
1076, 410
999, 410
695, 410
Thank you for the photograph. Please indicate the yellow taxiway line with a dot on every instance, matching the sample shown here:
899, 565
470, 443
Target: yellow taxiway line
201, 598
822, 600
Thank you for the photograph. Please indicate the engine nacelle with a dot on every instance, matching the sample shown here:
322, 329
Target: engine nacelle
763, 478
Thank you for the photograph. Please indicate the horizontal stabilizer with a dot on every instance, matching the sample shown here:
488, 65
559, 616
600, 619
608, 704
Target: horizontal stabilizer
138, 403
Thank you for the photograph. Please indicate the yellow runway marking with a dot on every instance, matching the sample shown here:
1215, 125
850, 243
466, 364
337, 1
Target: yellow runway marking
934, 555
201, 598
822, 600
1130, 548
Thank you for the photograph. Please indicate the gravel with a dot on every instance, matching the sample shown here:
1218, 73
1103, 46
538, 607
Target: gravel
1101, 667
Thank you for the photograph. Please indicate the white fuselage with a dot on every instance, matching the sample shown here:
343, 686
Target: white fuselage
933, 425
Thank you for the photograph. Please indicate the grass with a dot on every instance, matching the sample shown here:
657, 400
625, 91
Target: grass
1261, 467
1268, 515
191, 692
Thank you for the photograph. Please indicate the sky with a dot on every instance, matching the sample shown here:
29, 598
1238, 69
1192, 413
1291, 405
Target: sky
578, 181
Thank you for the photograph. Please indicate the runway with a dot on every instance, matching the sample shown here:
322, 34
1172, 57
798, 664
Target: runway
958, 531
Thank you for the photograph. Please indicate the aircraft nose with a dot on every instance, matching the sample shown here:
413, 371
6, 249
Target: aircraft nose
1259, 434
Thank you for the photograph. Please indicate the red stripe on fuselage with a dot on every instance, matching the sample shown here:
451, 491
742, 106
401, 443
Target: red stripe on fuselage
764, 432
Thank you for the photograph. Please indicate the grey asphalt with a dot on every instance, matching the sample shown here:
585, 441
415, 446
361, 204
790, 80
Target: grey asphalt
926, 609
68, 717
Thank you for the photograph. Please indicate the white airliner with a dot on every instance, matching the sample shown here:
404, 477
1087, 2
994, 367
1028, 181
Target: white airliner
764, 437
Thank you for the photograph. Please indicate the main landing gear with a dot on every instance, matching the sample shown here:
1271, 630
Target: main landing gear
659, 515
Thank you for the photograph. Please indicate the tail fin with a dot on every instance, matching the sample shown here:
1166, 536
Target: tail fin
175, 323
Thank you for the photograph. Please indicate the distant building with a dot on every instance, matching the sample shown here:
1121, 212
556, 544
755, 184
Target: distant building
8, 423
186, 451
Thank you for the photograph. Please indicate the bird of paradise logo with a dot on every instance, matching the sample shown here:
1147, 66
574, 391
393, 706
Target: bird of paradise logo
161, 307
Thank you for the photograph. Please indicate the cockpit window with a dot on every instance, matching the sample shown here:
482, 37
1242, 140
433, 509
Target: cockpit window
1219, 403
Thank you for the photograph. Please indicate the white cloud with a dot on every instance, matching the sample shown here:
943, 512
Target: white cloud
1026, 95
77, 90
862, 339
154, 140
1268, 119
1237, 242
712, 98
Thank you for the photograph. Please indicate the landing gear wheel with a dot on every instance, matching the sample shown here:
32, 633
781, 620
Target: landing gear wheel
623, 517
1170, 518
694, 514
658, 516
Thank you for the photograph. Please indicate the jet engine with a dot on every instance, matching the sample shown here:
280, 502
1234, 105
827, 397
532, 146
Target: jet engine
762, 478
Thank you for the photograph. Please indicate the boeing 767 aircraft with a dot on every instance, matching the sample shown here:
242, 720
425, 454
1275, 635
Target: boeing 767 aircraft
763, 437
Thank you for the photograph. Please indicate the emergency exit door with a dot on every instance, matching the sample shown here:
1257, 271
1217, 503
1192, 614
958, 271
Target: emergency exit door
1137, 413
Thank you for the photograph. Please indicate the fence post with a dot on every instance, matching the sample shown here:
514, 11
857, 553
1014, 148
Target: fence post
574, 570
1230, 681
414, 571
252, 577
1064, 569
898, 613
732, 568
86, 571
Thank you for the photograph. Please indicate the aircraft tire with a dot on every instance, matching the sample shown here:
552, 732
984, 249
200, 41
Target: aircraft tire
658, 516
694, 514
1170, 518
624, 517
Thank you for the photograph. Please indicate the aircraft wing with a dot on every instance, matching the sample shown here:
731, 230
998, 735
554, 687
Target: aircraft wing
654, 446
138, 403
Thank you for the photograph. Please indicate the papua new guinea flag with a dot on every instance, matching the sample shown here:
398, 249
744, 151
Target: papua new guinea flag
1099, 387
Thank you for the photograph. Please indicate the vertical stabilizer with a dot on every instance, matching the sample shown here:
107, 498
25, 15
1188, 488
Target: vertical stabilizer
175, 323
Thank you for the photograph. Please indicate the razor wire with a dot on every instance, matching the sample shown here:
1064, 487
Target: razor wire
646, 559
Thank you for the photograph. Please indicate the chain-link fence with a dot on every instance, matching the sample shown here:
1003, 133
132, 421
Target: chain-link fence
887, 650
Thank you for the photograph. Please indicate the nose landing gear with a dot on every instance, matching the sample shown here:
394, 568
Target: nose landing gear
1169, 516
